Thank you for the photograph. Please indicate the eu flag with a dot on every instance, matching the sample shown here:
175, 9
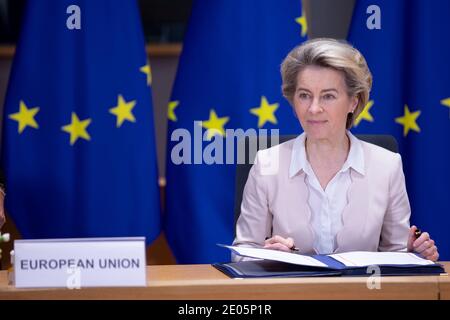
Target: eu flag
407, 47
78, 138
228, 78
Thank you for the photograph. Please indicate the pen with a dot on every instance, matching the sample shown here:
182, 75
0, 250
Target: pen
417, 233
293, 248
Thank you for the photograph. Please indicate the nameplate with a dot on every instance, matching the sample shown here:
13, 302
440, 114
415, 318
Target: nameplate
78, 263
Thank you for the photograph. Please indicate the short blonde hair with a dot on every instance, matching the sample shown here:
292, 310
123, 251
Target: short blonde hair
329, 53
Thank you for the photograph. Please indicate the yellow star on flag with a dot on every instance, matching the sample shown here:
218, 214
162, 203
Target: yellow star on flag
214, 124
123, 110
302, 22
446, 102
148, 71
171, 110
25, 117
265, 112
77, 129
409, 121
365, 114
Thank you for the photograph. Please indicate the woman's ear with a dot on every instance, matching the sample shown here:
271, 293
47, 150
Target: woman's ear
355, 101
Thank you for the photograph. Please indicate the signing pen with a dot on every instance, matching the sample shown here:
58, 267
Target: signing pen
417, 233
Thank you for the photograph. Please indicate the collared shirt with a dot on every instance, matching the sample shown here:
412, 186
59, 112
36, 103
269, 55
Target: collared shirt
327, 205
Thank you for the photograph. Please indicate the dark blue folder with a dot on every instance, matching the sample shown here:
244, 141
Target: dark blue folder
271, 268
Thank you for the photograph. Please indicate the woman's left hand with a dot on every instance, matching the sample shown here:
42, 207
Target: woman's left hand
423, 245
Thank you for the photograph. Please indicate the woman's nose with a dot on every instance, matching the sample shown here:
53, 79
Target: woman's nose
315, 107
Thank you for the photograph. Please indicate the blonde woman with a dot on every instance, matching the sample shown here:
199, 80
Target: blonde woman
330, 192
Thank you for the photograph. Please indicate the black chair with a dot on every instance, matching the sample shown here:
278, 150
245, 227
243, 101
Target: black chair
242, 170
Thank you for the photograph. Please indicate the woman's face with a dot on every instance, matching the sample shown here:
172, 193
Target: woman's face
321, 102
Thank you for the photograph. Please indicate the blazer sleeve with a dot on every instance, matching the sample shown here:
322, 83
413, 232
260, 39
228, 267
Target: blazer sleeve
255, 220
395, 229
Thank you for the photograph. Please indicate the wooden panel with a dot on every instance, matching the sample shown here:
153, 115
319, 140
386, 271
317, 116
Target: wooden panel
444, 283
7, 51
154, 50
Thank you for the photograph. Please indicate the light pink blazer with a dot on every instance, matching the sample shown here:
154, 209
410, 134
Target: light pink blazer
376, 217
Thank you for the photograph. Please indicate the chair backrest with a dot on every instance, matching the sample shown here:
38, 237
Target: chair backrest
242, 170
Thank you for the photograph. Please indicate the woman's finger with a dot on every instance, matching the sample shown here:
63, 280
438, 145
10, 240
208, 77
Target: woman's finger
424, 246
288, 242
429, 252
411, 238
434, 257
423, 237
277, 246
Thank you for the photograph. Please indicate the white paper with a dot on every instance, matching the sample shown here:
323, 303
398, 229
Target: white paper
269, 254
366, 258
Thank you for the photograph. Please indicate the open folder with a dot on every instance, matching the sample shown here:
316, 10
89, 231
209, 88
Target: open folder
274, 263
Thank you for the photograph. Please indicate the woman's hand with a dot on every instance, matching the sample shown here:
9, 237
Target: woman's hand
423, 245
279, 243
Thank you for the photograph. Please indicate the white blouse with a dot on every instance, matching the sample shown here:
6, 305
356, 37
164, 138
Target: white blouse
327, 205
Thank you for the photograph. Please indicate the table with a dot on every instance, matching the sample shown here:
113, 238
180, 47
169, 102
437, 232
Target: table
204, 282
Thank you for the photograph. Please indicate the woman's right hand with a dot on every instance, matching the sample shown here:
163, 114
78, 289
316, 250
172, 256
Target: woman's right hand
279, 243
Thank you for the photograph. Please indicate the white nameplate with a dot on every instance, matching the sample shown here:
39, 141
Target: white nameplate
78, 263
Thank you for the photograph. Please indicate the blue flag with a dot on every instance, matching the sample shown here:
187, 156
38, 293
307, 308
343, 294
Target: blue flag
407, 47
78, 139
228, 78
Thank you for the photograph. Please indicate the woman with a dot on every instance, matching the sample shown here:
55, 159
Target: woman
330, 192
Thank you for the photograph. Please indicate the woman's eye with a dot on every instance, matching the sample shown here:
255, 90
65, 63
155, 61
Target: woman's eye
303, 95
329, 97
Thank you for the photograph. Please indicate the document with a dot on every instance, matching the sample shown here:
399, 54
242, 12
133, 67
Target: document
365, 258
268, 254
274, 263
